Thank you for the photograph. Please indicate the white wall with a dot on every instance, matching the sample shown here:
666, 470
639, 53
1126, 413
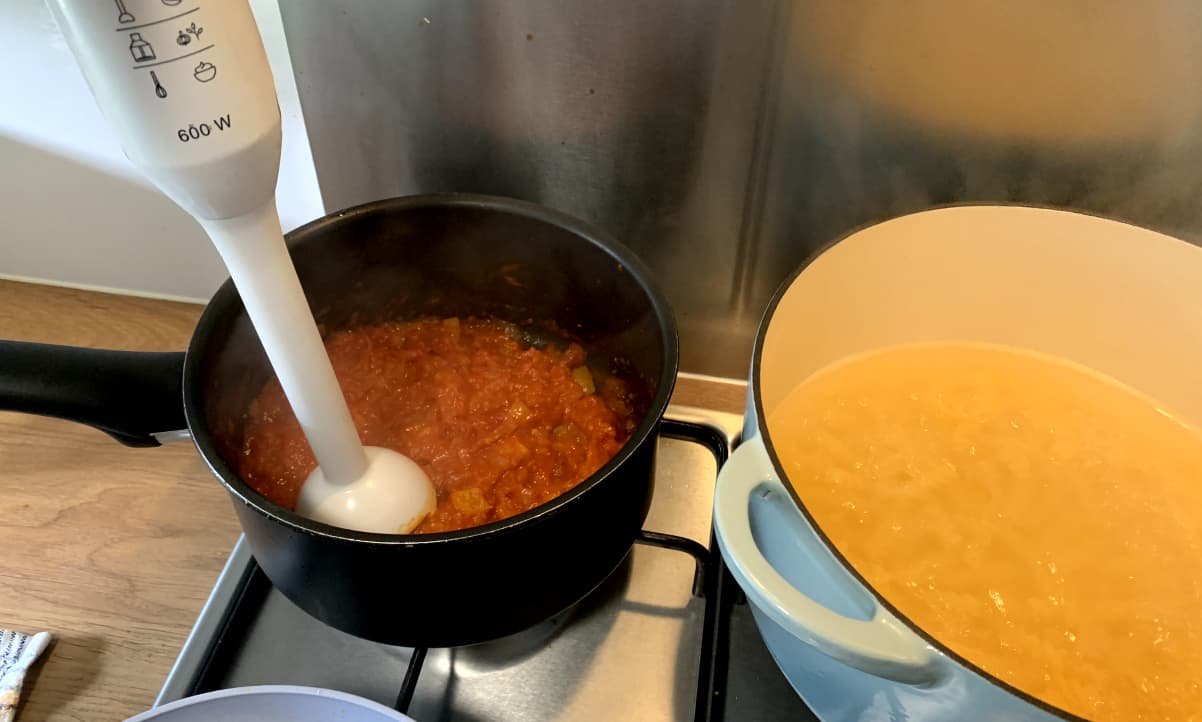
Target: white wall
73, 211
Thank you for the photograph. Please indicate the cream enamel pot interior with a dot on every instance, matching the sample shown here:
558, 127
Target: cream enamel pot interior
1121, 299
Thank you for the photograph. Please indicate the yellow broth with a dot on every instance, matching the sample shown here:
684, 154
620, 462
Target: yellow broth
1038, 518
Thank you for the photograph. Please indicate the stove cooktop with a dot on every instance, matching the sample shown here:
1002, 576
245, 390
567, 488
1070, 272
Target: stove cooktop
667, 637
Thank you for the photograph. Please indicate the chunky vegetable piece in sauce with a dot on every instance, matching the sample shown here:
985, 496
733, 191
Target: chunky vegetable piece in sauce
499, 426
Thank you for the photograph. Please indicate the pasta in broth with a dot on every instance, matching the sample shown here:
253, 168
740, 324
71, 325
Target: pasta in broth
1040, 519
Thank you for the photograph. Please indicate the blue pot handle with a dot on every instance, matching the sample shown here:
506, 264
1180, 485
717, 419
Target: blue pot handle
881, 646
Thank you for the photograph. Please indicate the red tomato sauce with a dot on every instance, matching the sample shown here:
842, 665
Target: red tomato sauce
499, 426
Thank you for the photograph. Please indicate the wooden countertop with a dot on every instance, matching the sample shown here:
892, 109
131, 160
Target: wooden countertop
114, 550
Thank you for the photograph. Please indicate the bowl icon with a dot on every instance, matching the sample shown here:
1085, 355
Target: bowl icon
204, 72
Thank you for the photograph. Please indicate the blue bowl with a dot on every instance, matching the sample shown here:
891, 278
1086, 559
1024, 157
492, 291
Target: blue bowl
272, 703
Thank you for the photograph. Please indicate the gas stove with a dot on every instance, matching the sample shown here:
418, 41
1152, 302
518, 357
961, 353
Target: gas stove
667, 637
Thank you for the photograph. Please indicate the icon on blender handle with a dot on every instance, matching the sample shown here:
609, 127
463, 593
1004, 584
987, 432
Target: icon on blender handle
140, 49
204, 72
159, 90
185, 36
123, 16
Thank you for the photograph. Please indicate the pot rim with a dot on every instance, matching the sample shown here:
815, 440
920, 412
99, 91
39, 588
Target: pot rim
226, 296
758, 406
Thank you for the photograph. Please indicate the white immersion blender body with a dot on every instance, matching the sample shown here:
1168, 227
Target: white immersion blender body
206, 127
189, 92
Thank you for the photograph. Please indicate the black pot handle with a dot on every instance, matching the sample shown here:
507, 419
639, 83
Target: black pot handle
129, 395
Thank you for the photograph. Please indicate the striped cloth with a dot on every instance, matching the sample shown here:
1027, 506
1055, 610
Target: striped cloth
17, 652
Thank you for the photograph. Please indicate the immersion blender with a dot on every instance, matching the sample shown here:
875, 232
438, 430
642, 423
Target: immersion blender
202, 121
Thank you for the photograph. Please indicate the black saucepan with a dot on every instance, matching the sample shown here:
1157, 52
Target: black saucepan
444, 255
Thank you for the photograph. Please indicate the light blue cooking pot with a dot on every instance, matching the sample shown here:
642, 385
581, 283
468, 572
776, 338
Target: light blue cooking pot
1117, 298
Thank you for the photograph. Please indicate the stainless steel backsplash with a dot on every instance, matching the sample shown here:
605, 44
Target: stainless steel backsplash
727, 141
